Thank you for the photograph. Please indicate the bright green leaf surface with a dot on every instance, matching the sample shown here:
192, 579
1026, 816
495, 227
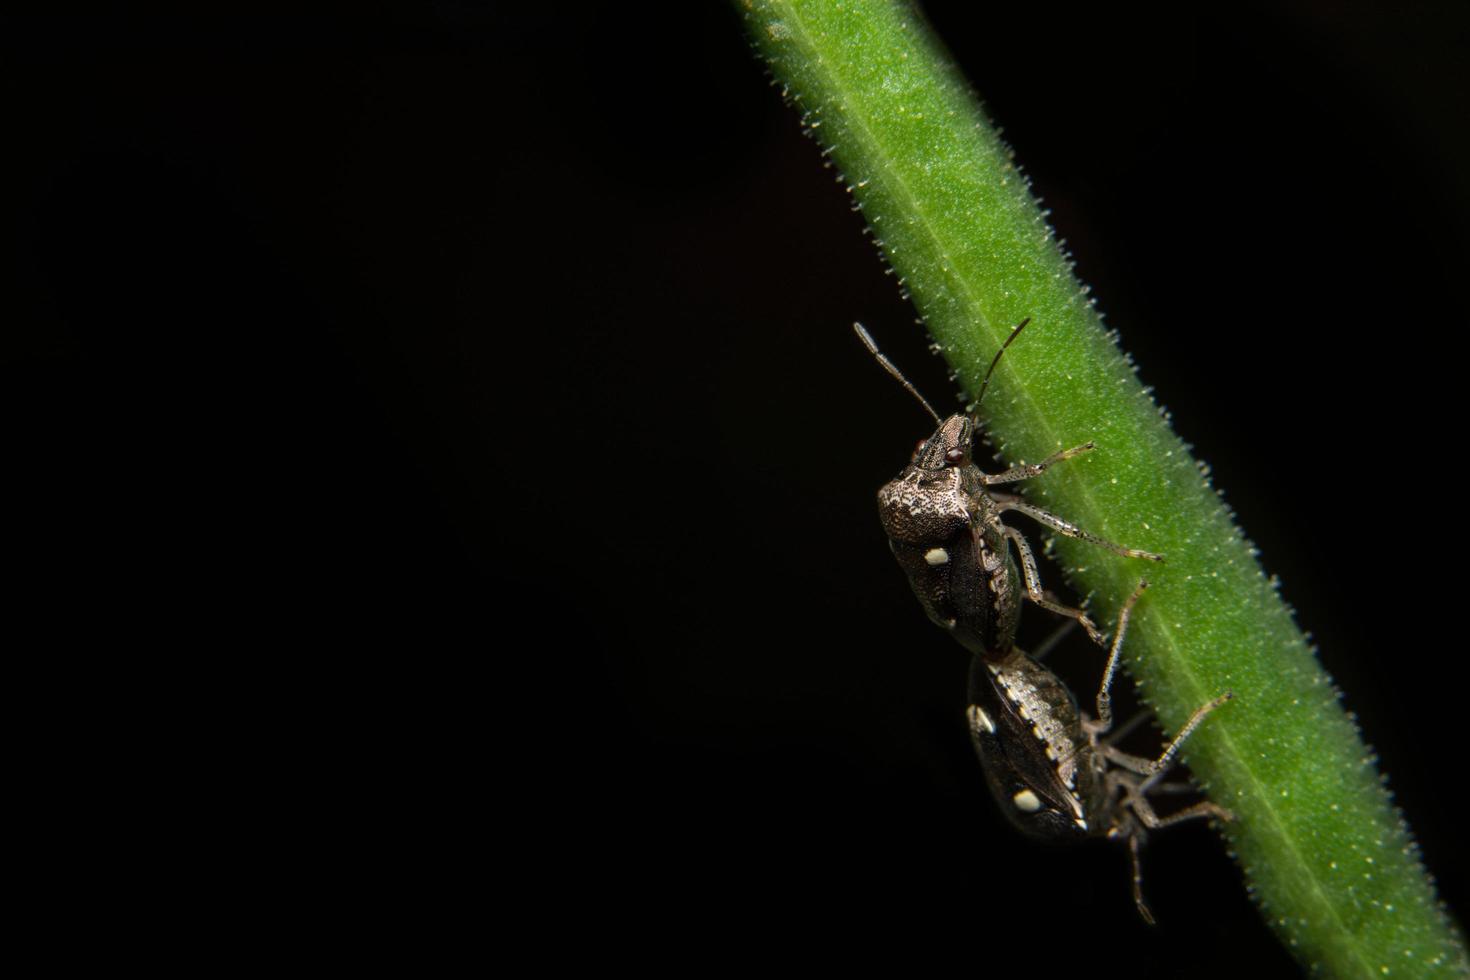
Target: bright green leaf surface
1328, 859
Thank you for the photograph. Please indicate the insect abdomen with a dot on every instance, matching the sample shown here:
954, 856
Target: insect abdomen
948, 580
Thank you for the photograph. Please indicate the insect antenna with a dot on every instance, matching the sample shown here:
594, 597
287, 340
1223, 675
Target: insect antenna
1015, 332
889, 366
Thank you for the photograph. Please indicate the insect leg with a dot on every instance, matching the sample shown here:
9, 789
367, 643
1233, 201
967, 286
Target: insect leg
1104, 692
1154, 769
1144, 811
1134, 845
1141, 812
1051, 642
1172, 789
1027, 470
1072, 530
1033, 586
1200, 810
1128, 728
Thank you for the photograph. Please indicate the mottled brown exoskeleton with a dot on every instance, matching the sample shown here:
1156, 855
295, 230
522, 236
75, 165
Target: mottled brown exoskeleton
1051, 770
944, 525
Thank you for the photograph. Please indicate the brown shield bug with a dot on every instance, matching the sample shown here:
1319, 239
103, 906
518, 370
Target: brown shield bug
1051, 770
944, 526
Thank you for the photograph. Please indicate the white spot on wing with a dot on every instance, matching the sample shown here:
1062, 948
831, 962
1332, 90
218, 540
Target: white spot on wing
936, 556
1026, 801
979, 719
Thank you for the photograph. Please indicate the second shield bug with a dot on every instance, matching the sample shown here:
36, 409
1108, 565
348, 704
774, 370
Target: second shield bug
1056, 772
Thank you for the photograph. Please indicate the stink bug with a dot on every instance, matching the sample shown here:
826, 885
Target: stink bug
944, 526
1051, 770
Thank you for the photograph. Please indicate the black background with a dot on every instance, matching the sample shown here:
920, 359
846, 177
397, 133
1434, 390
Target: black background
442, 452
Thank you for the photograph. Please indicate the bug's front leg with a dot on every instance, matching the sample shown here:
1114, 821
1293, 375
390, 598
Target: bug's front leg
1026, 471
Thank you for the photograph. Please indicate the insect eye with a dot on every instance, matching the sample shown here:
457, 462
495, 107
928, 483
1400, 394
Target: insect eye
954, 456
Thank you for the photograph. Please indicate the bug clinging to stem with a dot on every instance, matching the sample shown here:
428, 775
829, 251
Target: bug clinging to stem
1056, 772
943, 522
1049, 765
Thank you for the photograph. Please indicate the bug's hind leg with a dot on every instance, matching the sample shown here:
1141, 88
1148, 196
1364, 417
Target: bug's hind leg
1135, 845
1034, 591
1142, 813
1052, 642
1135, 777
1133, 791
1105, 690
1071, 530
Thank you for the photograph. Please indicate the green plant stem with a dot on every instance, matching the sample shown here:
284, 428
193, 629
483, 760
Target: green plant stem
1328, 859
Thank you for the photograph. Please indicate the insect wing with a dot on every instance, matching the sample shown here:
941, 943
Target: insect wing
1021, 774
